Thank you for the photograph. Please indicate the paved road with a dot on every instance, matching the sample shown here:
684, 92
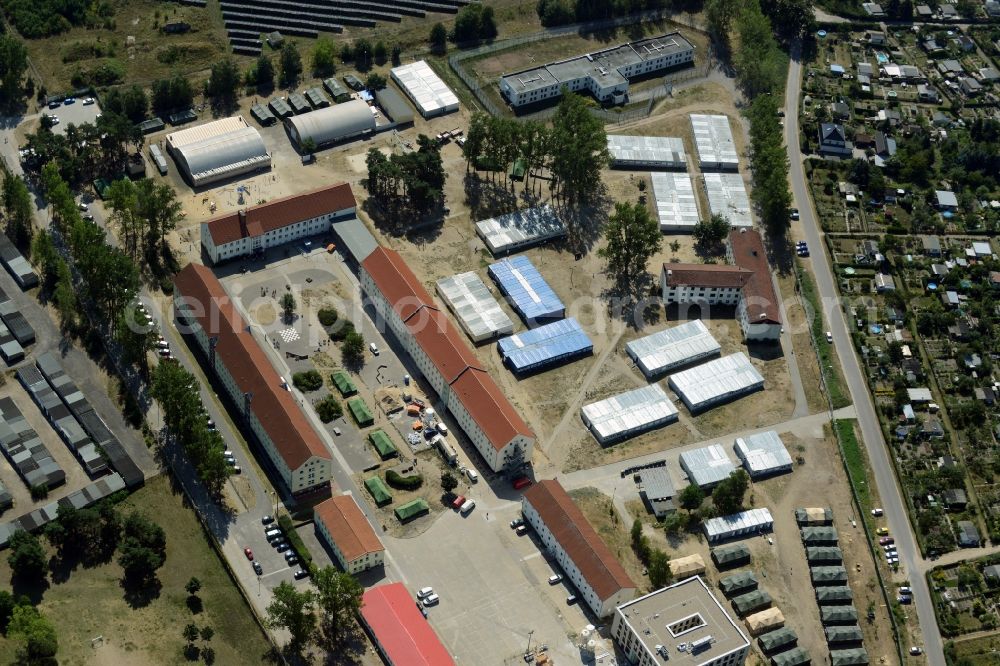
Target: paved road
871, 431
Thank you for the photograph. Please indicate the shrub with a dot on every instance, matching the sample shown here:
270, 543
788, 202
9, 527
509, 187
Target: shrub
307, 381
328, 316
341, 332
401, 482
293, 538
329, 408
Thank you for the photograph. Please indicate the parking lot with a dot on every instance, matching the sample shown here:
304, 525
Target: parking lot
492, 583
76, 113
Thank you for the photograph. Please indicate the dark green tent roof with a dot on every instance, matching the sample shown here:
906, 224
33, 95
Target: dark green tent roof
838, 614
819, 536
738, 582
751, 601
730, 554
777, 638
853, 657
824, 554
794, 657
834, 594
846, 634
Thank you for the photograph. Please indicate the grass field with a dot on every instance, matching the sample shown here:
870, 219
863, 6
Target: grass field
597, 509
90, 603
974, 651
829, 363
857, 464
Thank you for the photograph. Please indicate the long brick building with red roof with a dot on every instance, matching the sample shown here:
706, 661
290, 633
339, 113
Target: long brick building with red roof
203, 309
587, 561
257, 228
444, 359
745, 281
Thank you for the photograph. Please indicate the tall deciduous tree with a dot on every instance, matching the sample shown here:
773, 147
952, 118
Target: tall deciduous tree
728, 495
40, 642
13, 64
579, 149
291, 64
438, 38
264, 70
338, 600
293, 611
710, 233
18, 209
27, 556
633, 236
659, 569
324, 56
223, 83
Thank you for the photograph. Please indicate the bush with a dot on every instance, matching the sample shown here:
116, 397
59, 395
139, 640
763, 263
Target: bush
295, 541
329, 408
341, 332
307, 381
400, 482
328, 316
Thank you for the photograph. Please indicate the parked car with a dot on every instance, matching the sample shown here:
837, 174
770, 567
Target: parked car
570, 600
374, 349
300, 574
424, 592
282, 546
472, 474
884, 541
555, 578
458, 502
904, 599
291, 558
906, 590
882, 531
521, 530
829, 336
266, 520
916, 651
794, 212
877, 512
88, 101
468, 507
248, 553
257, 568
69, 100
431, 599
517, 522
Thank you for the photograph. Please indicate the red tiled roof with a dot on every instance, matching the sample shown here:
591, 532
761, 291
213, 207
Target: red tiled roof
584, 546
275, 408
446, 348
348, 527
758, 293
489, 407
280, 213
705, 275
396, 282
406, 638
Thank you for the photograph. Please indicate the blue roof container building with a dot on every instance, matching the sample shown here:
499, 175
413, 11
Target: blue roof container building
543, 347
527, 290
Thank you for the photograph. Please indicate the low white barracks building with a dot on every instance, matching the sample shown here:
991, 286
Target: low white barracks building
203, 309
586, 560
444, 359
255, 229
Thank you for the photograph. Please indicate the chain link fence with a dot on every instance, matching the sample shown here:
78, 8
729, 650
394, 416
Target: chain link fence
617, 115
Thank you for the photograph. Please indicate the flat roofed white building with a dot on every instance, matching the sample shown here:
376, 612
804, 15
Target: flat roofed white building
707, 466
676, 202
717, 381
713, 139
478, 312
650, 152
727, 196
763, 454
672, 348
429, 93
521, 229
650, 629
629, 414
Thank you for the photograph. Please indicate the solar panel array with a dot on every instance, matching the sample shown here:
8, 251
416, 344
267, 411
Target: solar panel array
246, 20
526, 289
545, 346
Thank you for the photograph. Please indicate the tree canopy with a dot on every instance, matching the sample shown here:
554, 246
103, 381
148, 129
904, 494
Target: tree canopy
324, 56
18, 210
633, 236
13, 65
290, 62
338, 600
224, 83
293, 611
727, 496
36, 633
27, 556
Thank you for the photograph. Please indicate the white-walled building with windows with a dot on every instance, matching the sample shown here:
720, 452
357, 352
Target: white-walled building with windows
605, 74
265, 405
444, 359
653, 629
340, 523
253, 230
586, 560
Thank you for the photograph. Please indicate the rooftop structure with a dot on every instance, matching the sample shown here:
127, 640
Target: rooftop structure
545, 346
713, 139
743, 523
707, 466
683, 624
727, 196
672, 348
676, 202
477, 311
718, 381
589, 564
341, 523
629, 414
334, 124
489, 420
285, 220
203, 308
526, 289
429, 93
814, 516
24, 449
605, 74
738, 583
394, 106
218, 150
730, 555
401, 634
649, 152
521, 229
763, 454
657, 490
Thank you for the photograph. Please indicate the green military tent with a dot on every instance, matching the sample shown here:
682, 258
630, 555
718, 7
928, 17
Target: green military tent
819, 536
779, 639
731, 555
825, 554
411, 510
833, 595
794, 657
360, 412
853, 657
751, 602
382, 443
845, 634
813, 516
344, 383
833, 575
740, 582
831, 615
378, 491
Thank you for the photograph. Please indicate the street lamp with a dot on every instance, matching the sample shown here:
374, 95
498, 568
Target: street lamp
527, 650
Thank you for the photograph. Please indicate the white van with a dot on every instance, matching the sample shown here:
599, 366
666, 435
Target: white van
374, 348
468, 507
270, 534
425, 592
441, 428
471, 473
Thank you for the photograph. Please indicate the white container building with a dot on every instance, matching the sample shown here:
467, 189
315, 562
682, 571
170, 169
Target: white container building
676, 202
672, 348
763, 454
429, 93
727, 196
717, 381
744, 523
477, 311
647, 152
713, 139
629, 414
707, 466
521, 229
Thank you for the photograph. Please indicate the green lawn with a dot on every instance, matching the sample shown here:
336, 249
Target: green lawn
829, 364
90, 603
857, 464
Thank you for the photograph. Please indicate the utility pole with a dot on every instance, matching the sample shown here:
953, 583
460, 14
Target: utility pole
527, 650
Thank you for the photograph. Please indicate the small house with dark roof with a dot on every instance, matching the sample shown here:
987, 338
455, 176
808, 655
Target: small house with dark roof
955, 499
833, 140
968, 534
